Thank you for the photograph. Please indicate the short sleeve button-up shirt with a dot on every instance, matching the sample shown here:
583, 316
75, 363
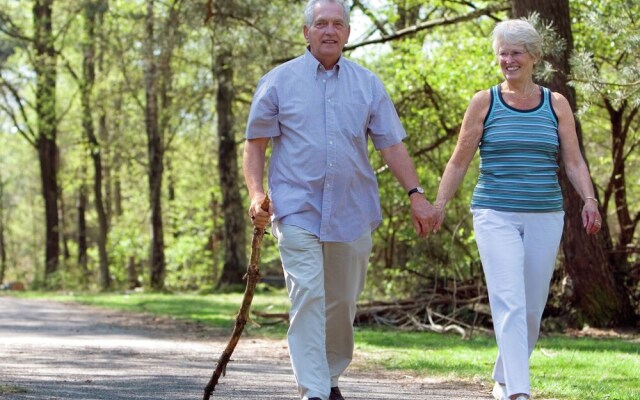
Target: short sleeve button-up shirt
320, 178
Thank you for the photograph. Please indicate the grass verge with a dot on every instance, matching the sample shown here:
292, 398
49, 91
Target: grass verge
11, 389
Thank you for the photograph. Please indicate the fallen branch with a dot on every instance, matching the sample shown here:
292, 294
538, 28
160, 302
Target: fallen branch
284, 317
252, 276
463, 311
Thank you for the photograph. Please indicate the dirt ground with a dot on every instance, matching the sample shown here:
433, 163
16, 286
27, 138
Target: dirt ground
57, 351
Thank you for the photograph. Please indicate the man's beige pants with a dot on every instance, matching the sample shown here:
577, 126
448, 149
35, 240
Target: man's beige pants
324, 280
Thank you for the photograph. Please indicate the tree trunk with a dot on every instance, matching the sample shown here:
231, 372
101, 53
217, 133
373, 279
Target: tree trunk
117, 195
174, 223
598, 296
168, 43
155, 151
234, 266
117, 162
62, 222
3, 248
103, 134
214, 237
132, 273
620, 125
103, 129
45, 70
81, 222
91, 9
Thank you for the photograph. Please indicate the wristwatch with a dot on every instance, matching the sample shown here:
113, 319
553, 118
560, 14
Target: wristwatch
416, 189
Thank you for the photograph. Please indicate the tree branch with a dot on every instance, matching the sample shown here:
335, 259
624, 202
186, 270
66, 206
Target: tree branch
30, 136
366, 11
13, 30
627, 125
124, 68
428, 25
603, 83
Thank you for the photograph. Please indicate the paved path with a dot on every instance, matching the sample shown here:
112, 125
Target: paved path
55, 351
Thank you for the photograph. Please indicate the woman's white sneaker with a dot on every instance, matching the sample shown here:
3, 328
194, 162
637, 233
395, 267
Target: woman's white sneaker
499, 392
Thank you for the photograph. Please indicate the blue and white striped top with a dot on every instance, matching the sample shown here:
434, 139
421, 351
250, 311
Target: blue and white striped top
518, 158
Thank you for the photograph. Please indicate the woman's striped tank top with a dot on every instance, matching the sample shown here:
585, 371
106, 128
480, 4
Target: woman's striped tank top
518, 158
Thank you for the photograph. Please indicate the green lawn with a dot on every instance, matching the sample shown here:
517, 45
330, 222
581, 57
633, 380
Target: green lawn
9, 389
561, 367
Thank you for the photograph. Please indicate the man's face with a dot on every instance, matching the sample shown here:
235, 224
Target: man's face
328, 33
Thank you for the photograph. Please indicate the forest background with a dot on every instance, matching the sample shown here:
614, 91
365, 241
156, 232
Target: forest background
122, 123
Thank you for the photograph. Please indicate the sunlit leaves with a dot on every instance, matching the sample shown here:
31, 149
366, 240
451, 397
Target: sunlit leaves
606, 60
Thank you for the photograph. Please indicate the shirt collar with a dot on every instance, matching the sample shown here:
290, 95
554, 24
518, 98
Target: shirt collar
313, 67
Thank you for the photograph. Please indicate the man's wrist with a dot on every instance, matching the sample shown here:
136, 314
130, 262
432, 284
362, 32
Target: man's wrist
415, 190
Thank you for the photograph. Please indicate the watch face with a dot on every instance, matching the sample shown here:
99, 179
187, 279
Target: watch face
416, 190
420, 190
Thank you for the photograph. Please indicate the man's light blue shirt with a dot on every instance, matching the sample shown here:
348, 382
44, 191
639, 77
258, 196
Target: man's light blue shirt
320, 178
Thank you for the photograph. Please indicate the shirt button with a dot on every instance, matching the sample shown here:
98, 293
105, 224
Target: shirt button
330, 141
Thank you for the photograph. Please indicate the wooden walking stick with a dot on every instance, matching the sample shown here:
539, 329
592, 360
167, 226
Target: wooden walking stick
252, 276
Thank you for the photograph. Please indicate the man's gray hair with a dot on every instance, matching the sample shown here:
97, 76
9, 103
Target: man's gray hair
308, 10
518, 32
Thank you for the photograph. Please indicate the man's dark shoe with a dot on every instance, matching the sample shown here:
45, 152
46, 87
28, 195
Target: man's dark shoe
335, 394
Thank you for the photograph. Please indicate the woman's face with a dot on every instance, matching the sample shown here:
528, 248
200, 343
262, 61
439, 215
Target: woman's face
515, 61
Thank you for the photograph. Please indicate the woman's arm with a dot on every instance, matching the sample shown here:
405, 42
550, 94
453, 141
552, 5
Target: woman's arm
574, 164
466, 147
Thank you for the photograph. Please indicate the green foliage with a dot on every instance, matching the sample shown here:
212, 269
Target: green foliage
606, 74
188, 262
606, 63
192, 201
431, 76
22, 212
125, 242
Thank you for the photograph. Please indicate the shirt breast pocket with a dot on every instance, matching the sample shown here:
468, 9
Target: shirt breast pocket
353, 119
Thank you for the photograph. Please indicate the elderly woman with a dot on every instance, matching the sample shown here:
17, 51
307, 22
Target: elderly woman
520, 128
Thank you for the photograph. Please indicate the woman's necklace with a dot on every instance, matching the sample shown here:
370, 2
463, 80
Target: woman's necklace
533, 89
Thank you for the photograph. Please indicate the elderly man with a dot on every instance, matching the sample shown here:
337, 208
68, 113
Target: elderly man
319, 111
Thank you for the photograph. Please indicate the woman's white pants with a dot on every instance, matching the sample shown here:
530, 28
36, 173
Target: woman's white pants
324, 280
518, 253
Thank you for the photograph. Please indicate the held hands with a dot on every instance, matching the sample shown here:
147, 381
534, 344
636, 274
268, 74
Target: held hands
259, 217
440, 216
591, 219
424, 216
428, 218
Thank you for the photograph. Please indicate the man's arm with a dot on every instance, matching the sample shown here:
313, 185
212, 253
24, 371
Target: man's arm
253, 164
423, 215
